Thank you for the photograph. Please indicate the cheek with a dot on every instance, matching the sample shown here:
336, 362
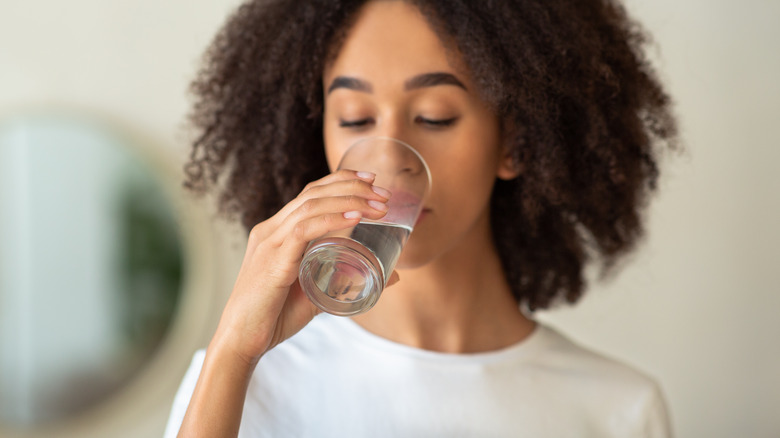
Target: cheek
334, 148
467, 189
333, 157
461, 194
467, 167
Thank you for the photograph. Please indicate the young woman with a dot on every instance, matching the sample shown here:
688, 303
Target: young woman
540, 121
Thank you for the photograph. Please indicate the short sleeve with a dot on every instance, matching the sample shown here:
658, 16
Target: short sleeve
657, 422
184, 394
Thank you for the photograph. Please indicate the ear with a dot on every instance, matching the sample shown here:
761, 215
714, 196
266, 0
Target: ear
507, 168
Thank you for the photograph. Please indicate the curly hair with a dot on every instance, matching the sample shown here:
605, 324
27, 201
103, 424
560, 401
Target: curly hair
587, 112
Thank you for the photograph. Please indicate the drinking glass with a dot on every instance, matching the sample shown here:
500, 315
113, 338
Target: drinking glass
344, 272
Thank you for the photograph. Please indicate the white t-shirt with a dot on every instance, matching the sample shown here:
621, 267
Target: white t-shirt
335, 379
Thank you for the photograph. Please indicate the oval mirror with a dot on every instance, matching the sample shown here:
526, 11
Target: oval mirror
91, 266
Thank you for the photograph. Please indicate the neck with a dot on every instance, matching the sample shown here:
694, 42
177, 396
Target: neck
458, 303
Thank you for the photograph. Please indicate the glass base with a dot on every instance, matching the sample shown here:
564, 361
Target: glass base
341, 276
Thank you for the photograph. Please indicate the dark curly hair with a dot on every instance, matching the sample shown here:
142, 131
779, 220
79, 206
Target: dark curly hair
570, 76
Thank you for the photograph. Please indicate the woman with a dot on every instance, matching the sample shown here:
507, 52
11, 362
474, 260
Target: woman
540, 122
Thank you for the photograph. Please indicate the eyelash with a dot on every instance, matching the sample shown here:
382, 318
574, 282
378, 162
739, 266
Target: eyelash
432, 123
353, 123
436, 123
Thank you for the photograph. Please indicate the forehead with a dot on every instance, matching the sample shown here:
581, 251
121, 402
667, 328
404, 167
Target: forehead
389, 42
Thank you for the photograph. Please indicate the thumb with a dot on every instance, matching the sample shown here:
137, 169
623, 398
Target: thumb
394, 278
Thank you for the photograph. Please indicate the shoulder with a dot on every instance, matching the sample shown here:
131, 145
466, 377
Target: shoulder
627, 396
563, 354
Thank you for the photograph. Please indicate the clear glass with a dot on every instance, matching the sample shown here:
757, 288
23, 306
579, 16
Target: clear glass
344, 272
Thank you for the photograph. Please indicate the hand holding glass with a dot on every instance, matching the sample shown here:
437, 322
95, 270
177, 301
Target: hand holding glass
344, 272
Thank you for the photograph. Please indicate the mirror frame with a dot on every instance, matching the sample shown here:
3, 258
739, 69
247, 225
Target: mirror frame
141, 406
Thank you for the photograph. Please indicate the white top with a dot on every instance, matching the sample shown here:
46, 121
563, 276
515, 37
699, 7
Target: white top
335, 379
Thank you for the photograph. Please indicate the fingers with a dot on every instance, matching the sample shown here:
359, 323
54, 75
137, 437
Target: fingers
368, 208
357, 196
280, 255
312, 219
362, 201
351, 186
267, 304
342, 181
305, 231
340, 175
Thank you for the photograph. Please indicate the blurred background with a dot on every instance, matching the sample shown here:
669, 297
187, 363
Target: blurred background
111, 277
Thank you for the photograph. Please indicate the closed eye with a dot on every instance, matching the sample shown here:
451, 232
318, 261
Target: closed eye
354, 123
437, 123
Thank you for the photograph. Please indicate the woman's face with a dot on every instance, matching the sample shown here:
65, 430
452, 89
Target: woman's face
392, 77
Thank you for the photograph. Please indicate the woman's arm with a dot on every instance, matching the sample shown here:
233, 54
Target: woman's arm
218, 400
267, 304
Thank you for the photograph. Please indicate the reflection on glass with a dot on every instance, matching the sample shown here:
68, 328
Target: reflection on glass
90, 266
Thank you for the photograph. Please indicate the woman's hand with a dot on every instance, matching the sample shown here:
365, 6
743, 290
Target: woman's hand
267, 304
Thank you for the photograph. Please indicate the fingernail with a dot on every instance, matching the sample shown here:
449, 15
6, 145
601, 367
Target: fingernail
381, 192
352, 215
376, 205
366, 175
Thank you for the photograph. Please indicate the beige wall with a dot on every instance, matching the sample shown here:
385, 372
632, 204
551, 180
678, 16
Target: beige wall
696, 307
699, 306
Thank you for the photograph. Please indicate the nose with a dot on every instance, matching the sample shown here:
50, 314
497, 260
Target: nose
398, 156
394, 128
395, 163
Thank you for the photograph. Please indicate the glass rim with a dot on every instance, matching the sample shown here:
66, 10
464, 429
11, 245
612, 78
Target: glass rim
401, 142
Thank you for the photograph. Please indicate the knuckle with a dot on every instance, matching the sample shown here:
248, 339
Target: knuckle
353, 201
278, 276
257, 252
299, 230
357, 185
308, 206
329, 221
258, 233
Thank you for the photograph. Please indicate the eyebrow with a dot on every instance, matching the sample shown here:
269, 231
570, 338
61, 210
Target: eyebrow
419, 81
351, 84
431, 80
